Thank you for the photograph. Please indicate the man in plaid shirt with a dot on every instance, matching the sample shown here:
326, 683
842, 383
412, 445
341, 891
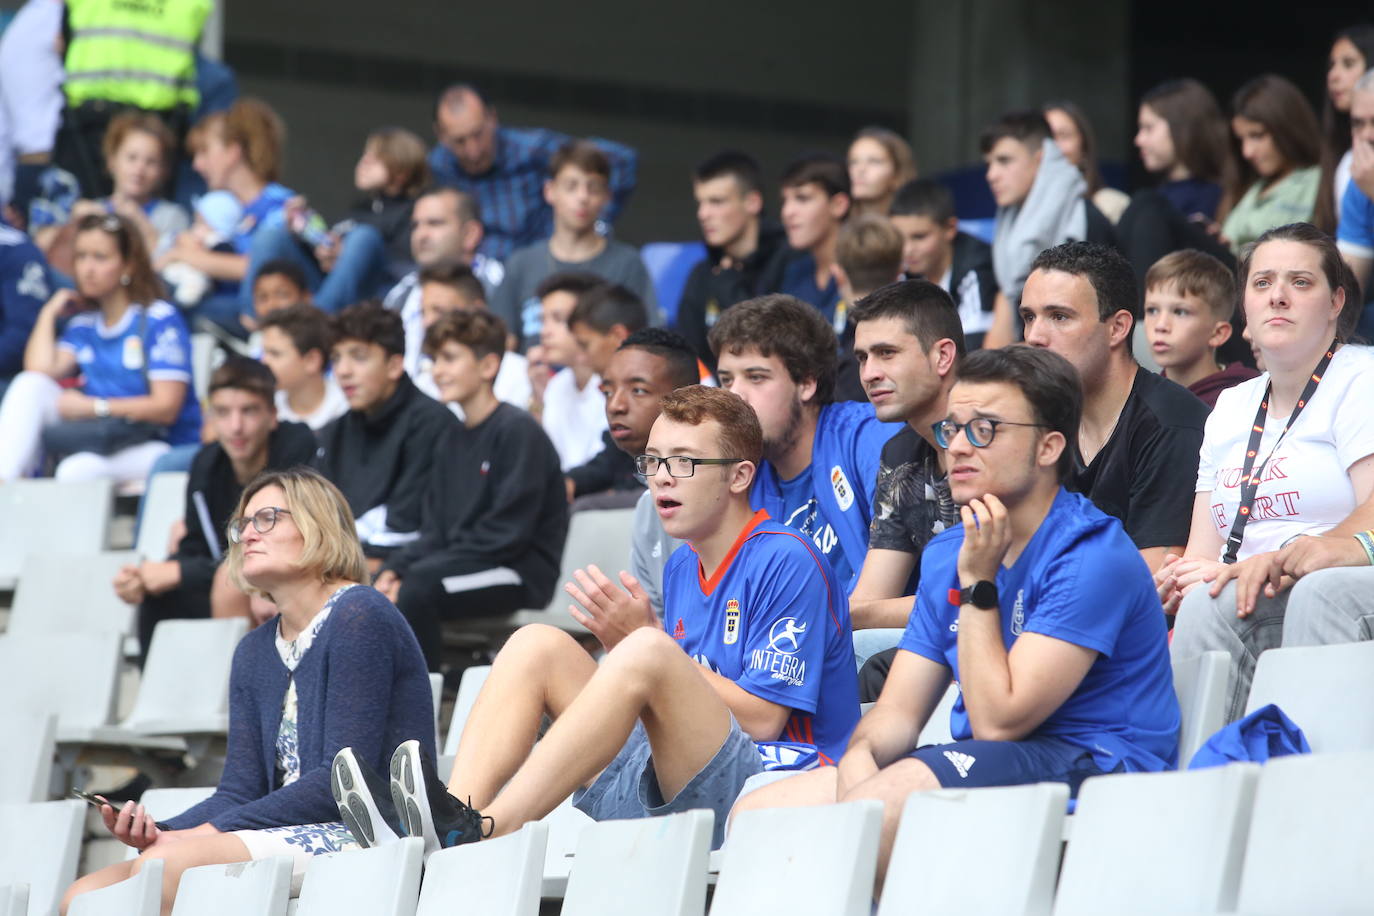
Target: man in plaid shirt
505, 169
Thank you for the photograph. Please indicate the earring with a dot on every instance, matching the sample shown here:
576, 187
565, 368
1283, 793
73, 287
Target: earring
124, 280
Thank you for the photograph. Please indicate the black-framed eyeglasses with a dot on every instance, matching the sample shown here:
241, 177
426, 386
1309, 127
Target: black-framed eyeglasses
264, 520
678, 465
980, 430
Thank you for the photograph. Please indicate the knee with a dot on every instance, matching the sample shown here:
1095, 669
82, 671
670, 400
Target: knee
535, 642
81, 466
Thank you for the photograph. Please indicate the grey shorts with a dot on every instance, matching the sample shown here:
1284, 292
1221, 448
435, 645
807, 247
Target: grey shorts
628, 787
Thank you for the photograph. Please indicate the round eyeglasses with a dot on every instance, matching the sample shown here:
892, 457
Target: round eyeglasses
678, 465
264, 520
980, 431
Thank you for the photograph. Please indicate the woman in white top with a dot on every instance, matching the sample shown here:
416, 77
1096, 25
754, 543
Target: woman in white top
1314, 460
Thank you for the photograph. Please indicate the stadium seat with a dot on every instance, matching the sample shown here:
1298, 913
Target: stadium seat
937, 726
436, 695
669, 264
1146, 843
499, 877
259, 887
139, 895
14, 900
381, 881
646, 865
1311, 846
1200, 685
164, 504
825, 857
565, 824
62, 593
43, 854
1015, 831
26, 765
45, 516
185, 686
1327, 691
165, 804
69, 675
468, 688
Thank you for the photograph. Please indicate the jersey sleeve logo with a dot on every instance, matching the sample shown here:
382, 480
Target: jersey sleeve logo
731, 622
779, 660
785, 636
844, 493
33, 281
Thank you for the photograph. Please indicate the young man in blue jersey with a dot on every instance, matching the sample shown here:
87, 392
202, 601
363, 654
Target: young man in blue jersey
755, 648
1038, 606
820, 457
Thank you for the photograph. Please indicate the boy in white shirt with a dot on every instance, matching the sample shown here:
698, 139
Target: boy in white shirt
574, 409
296, 341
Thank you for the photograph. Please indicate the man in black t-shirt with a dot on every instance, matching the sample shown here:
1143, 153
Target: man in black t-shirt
907, 342
1139, 438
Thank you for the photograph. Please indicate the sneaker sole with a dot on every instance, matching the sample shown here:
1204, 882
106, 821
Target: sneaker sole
360, 814
409, 796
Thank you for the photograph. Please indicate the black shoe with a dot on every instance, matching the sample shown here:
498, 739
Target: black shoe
426, 809
363, 801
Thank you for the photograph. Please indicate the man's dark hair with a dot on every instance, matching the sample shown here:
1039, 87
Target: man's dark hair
671, 347
284, 267
244, 374
924, 197
928, 311
480, 331
308, 327
457, 275
825, 169
1027, 126
464, 204
742, 167
1046, 379
1109, 274
370, 322
576, 282
609, 304
869, 251
583, 155
785, 326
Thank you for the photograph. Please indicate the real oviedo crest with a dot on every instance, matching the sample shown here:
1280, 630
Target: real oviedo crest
731, 622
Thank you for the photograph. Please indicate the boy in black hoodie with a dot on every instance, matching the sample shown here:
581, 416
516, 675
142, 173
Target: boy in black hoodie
380, 452
495, 511
248, 439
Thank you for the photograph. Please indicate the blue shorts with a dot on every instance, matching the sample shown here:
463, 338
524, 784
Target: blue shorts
628, 787
975, 764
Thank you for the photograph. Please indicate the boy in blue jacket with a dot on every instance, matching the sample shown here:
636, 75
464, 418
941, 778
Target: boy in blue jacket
820, 457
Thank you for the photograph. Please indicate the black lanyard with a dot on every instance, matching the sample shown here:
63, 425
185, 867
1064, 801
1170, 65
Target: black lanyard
1250, 475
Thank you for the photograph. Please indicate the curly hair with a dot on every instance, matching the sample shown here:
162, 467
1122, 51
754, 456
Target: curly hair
786, 327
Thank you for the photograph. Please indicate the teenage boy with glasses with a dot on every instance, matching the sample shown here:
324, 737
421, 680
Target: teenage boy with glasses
1038, 606
755, 648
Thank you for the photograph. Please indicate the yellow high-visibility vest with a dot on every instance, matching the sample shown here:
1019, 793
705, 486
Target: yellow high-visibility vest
134, 52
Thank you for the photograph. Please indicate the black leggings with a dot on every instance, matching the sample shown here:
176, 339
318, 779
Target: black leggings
433, 591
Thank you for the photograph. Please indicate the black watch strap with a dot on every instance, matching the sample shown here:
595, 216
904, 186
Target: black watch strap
981, 594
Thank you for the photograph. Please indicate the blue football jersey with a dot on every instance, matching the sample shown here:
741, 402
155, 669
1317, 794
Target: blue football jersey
773, 620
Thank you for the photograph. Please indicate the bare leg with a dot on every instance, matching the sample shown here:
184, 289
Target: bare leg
540, 670
814, 787
177, 856
647, 678
891, 786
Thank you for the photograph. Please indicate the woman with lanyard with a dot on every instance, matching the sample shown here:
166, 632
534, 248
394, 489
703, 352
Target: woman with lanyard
336, 667
1287, 454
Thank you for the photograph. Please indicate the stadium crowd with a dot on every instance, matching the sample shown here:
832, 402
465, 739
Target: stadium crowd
867, 452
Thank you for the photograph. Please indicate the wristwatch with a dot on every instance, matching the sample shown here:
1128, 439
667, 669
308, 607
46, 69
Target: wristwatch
981, 594
100, 407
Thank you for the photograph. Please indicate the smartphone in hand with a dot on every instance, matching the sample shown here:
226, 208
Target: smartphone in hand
95, 801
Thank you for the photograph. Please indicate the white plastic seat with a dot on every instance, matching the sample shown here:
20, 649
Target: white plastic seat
565, 824
40, 848
63, 592
382, 881
1015, 831
165, 804
936, 730
185, 686
1328, 692
48, 516
646, 865
1200, 685
26, 764
139, 895
499, 877
468, 689
1146, 843
259, 887
436, 695
1311, 846
164, 504
14, 900
823, 858
69, 675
